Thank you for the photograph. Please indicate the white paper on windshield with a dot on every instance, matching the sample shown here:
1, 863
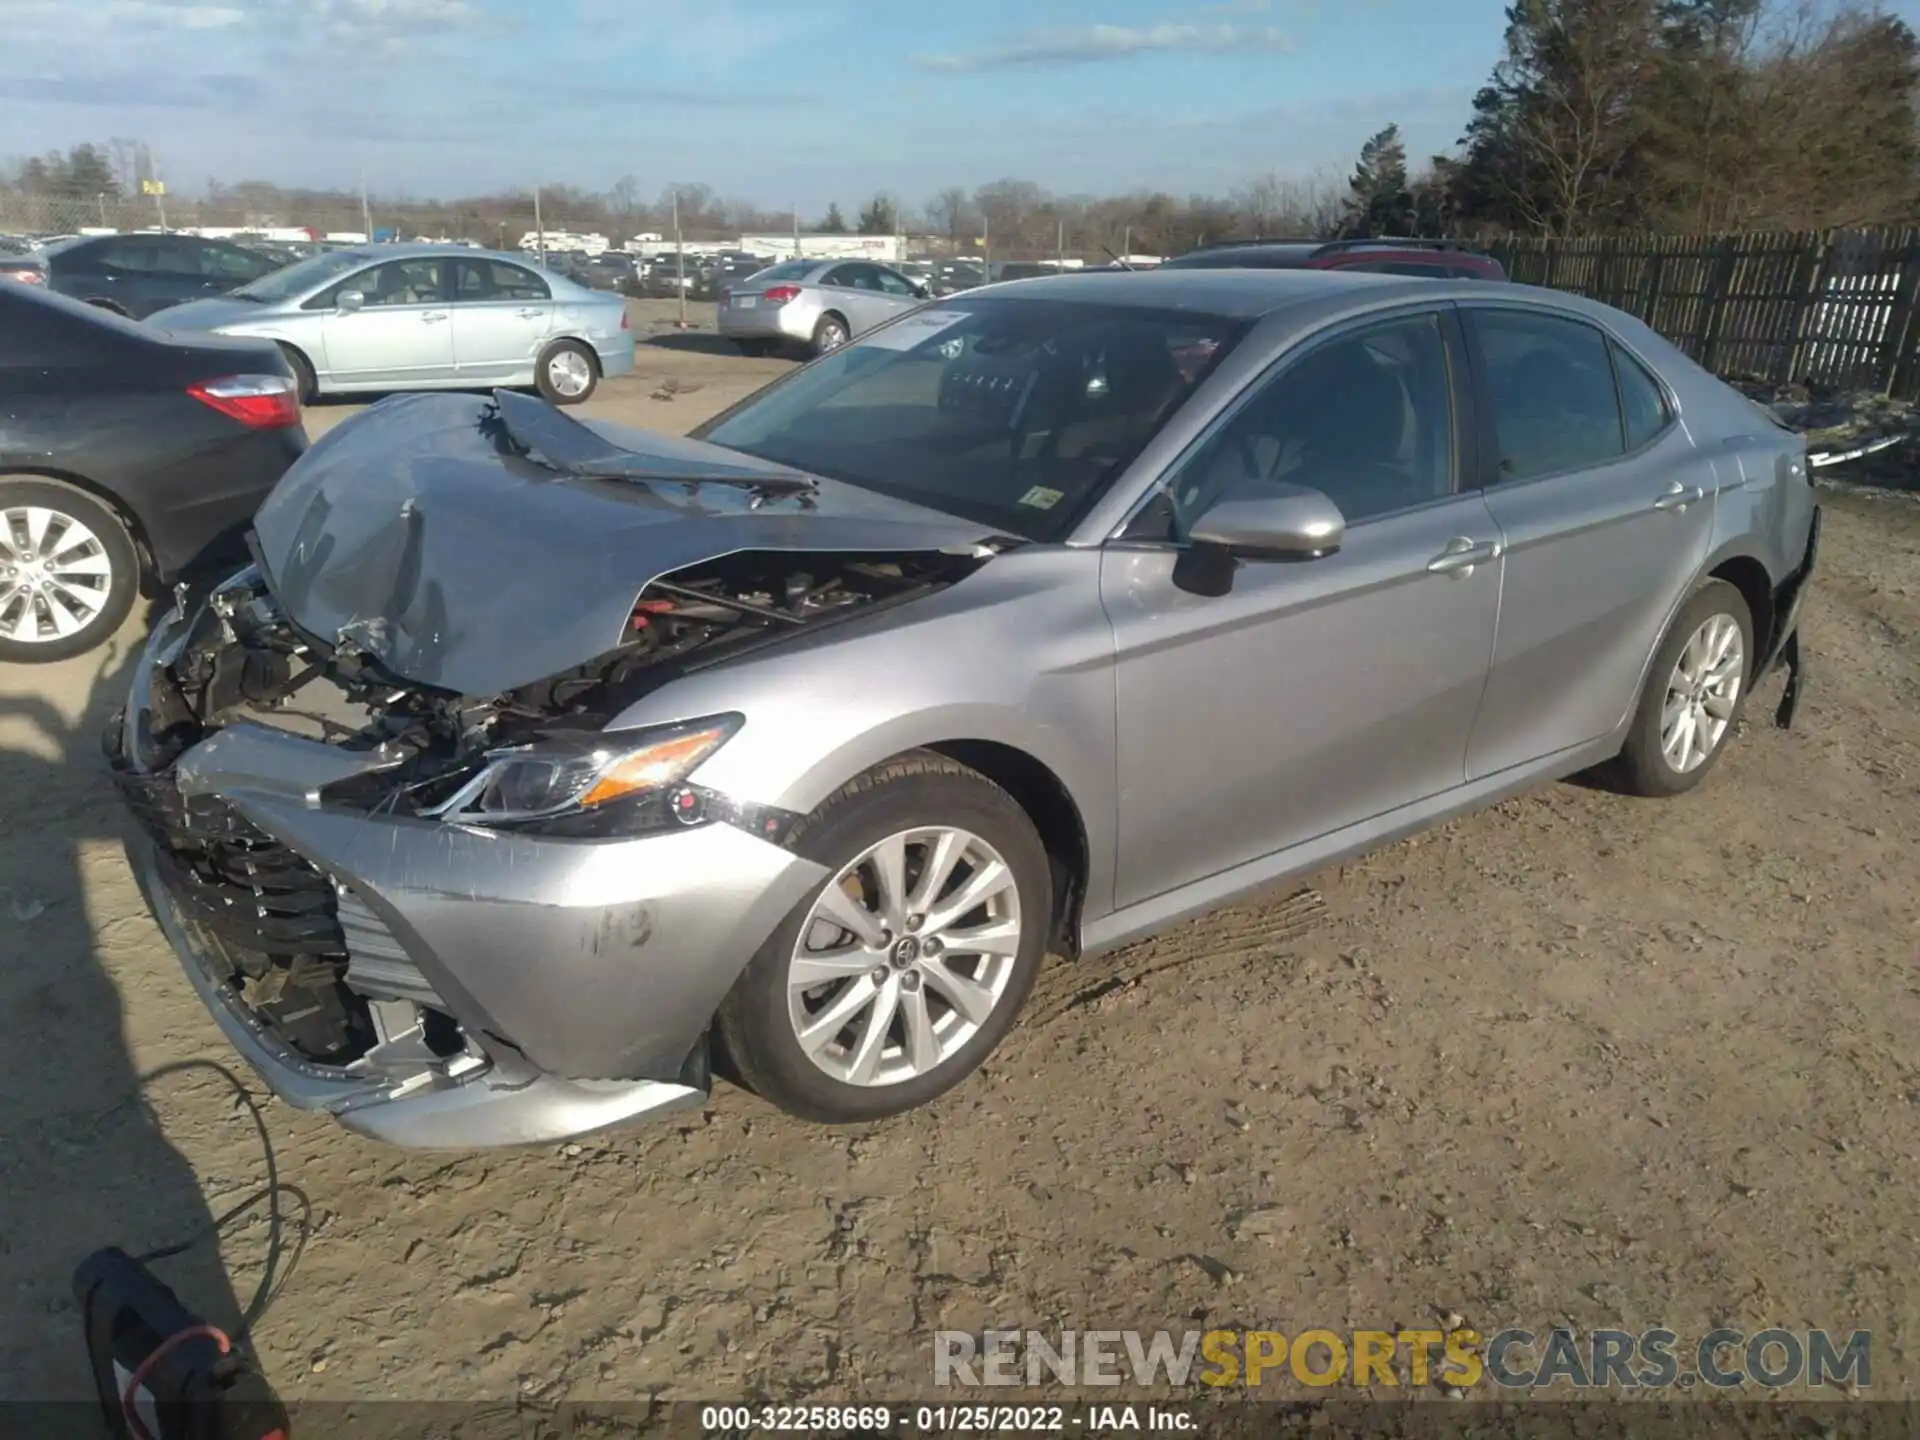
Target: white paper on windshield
916, 328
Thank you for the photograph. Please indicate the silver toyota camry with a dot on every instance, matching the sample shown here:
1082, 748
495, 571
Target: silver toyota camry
425, 317
537, 770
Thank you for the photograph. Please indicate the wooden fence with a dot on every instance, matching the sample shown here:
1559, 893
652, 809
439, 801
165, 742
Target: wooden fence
1834, 307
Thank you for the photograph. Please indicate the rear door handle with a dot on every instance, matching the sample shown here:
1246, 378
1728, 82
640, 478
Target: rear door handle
1679, 496
1462, 555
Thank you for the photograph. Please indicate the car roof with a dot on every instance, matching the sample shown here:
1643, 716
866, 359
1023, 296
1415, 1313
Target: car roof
1236, 294
1311, 294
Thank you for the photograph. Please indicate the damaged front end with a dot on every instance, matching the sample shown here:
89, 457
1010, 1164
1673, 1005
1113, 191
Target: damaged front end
388, 891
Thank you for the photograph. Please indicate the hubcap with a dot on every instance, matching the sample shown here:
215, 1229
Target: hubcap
55, 575
904, 956
569, 373
1701, 693
832, 337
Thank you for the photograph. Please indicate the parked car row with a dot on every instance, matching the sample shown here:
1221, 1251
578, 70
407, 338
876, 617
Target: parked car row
604, 806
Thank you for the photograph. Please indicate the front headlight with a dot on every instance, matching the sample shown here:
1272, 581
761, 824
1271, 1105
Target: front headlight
585, 784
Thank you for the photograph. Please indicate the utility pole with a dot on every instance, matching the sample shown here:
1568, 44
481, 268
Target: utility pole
103, 209
159, 194
986, 248
1060, 250
796, 232
539, 229
1126, 243
679, 260
366, 210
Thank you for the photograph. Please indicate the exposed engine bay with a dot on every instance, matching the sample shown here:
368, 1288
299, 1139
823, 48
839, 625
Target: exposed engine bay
247, 662
306, 954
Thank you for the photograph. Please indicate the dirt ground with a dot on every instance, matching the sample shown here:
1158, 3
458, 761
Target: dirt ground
1579, 1059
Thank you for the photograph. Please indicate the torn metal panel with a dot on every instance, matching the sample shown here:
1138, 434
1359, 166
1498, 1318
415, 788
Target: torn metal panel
426, 534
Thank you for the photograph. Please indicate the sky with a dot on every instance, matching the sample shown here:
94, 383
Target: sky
781, 102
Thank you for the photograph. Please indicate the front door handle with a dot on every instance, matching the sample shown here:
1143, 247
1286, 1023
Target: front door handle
432, 317
1462, 555
1679, 496
531, 314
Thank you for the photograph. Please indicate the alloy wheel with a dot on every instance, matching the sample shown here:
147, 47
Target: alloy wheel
55, 575
569, 373
1702, 693
907, 953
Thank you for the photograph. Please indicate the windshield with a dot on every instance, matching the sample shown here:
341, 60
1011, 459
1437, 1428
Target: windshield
1015, 413
298, 279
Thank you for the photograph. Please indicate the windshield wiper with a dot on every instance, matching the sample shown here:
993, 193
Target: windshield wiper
560, 442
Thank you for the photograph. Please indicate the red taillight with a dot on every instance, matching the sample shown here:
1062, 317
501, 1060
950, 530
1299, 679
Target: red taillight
260, 402
25, 277
780, 294
625, 324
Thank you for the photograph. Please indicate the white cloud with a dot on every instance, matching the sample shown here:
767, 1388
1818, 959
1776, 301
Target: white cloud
1092, 44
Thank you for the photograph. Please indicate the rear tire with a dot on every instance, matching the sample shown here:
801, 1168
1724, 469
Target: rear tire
945, 1006
1696, 690
830, 334
69, 571
567, 372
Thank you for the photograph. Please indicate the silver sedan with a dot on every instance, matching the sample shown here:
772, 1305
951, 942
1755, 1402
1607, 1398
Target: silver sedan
426, 317
817, 304
570, 758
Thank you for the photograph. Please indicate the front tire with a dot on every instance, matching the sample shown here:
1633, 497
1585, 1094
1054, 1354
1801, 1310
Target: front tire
69, 571
1696, 689
567, 373
890, 983
306, 387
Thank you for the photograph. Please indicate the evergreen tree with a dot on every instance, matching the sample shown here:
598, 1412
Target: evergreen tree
1378, 200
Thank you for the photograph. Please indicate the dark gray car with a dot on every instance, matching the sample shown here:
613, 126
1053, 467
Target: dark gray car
537, 760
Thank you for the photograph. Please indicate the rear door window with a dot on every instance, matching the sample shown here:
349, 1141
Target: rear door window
478, 281
1549, 385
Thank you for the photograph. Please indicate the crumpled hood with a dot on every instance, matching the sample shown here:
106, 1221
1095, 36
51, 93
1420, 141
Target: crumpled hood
420, 532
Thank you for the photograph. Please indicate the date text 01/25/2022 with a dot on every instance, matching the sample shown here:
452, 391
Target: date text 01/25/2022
942, 1419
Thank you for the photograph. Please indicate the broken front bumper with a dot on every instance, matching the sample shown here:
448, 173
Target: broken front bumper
521, 990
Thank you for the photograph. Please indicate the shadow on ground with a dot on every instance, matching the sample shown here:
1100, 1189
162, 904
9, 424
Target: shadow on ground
84, 1159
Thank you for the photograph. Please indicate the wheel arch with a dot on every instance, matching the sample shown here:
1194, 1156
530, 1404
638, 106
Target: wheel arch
1751, 578
136, 527
1050, 805
569, 337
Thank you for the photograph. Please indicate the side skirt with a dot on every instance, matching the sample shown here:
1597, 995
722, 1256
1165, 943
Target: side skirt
1148, 917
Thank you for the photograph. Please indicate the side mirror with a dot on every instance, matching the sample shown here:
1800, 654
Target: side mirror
921, 292
348, 301
1262, 520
